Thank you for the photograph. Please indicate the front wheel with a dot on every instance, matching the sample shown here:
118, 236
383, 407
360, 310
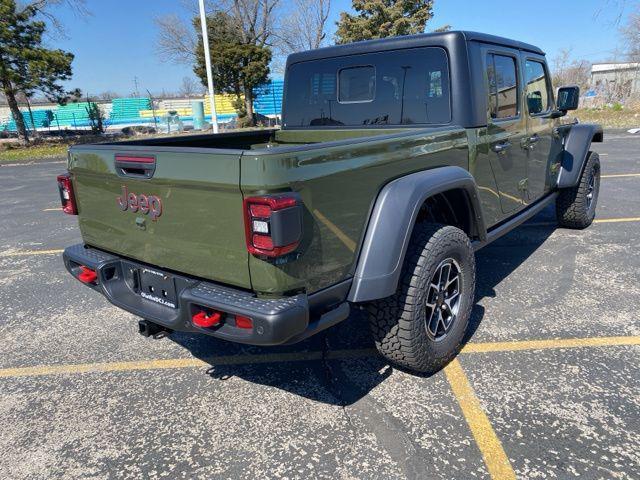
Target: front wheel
576, 206
421, 327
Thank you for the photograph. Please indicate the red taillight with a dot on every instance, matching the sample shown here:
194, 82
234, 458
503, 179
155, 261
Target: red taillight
260, 211
263, 242
67, 196
206, 320
273, 224
243, 322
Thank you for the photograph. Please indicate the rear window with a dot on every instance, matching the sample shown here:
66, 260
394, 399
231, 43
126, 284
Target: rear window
403, 87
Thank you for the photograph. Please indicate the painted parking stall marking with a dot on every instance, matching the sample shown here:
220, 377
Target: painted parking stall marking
493, 453
26, 253
345, 354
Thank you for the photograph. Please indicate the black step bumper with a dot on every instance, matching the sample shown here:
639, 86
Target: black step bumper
275, 321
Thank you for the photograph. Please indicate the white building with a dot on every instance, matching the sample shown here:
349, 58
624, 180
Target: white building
618, 80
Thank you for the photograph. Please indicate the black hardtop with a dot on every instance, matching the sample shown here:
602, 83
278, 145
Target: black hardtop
409, 41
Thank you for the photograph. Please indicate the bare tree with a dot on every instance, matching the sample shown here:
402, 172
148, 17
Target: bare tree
631, 35
176, 40
255, 19
107, 95
570, 72
252, 23
613, 9
189, 88
46, 10
304, 27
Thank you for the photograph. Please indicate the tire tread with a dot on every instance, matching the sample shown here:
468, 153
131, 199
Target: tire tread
571, 204
393, 319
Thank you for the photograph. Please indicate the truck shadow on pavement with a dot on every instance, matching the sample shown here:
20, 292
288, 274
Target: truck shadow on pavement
340, 366
497, 261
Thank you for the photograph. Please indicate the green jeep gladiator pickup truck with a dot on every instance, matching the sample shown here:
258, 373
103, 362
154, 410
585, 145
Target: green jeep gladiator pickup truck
397, 159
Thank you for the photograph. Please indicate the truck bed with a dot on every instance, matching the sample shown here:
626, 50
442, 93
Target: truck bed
256, 139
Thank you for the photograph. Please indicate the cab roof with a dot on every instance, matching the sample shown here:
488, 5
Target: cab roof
409, 41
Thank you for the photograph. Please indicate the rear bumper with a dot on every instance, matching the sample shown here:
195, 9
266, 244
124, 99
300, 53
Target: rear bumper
275, 321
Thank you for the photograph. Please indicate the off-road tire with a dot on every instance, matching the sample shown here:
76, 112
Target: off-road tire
574, 207
398, 322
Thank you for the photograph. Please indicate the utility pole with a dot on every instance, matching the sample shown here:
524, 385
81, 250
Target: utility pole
135, 82
207, 60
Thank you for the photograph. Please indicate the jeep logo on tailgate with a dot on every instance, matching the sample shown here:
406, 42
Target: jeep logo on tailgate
145, 204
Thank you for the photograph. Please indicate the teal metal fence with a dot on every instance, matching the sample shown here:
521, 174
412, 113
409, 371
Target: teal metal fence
127, 110
269, 98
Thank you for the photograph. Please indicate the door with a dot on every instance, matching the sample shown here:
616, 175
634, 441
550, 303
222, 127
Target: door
543, 149
506, 127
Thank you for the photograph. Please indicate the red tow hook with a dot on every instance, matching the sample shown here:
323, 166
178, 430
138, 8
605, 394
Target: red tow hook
204, 320
87, 275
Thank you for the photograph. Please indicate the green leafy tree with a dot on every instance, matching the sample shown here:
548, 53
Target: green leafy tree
238, 66
26, 66
96, 116
383, 18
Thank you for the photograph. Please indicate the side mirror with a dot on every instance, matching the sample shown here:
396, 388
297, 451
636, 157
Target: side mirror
568, 98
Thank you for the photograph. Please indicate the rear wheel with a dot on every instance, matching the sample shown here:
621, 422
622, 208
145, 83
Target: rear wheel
576, 206
421, 327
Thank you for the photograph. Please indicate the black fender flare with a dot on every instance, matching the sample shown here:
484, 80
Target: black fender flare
577, 145
391, 224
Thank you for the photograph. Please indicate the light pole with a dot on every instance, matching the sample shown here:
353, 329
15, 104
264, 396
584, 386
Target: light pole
207, 60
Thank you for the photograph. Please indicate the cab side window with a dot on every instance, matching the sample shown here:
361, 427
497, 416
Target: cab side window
503, 86
537, 89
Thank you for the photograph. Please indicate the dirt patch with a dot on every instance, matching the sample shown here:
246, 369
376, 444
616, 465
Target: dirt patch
610, 117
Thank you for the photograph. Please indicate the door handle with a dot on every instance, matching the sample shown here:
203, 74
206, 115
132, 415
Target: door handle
501, 147
529, 143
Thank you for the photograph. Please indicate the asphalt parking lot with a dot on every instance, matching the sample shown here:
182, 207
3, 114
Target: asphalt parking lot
548, 385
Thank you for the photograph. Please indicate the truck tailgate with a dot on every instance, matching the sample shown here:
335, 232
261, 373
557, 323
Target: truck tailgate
186, 217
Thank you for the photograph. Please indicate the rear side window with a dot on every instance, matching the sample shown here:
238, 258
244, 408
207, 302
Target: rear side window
537, 88
402, 87
503, 86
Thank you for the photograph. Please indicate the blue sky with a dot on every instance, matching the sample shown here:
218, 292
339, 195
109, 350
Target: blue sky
118, 41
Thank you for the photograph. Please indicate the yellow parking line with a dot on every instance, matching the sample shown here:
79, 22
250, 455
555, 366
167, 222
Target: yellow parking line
493, 453
488, 442
350, 244
548, 344
59, 209
43, 370
620, 175
597, 220
615, 220
173, 363
345, 354
22, 253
